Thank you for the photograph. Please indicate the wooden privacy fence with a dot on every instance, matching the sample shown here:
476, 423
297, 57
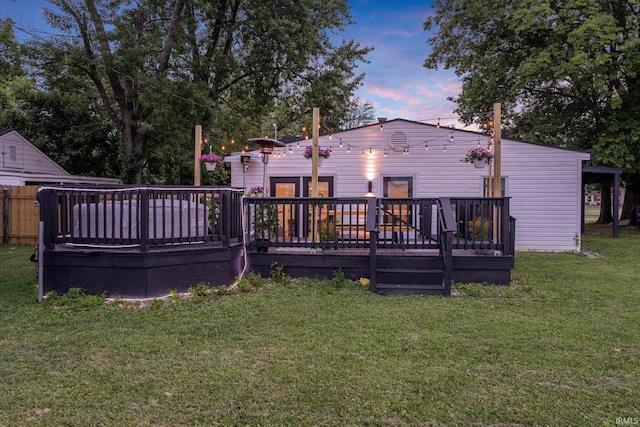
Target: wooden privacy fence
19, 215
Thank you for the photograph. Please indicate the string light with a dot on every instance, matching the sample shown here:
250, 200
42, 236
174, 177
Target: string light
451, 139
363, 152
349, 149
426, 146
445, 148
370, 152
340, 142
438, 125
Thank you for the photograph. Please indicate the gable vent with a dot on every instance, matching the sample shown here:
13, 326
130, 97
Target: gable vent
398, 141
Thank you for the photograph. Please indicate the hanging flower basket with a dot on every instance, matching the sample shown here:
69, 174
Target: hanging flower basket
478, 156
323, 153
211, 161
480, 163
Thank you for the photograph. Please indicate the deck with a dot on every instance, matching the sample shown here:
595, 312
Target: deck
142, 241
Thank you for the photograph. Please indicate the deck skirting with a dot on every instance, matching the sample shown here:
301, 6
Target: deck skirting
466, 268
132, 274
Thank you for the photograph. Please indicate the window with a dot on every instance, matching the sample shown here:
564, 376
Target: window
398, 187
325, 186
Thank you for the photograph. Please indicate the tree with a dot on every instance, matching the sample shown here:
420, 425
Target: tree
160, 66
11, 74
360, 113
565, 71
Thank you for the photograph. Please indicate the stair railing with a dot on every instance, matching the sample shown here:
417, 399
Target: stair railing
371, 226
446, 227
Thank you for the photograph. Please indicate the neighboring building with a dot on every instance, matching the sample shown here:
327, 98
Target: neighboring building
401, 158
22, 163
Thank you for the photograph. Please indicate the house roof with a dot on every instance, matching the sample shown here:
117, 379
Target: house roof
468, 132
296, 138
38, 179
43, 170
598, 175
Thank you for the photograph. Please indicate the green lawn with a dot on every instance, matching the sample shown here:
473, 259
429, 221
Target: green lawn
561, 346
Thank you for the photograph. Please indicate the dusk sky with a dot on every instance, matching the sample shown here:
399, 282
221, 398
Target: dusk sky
396, 82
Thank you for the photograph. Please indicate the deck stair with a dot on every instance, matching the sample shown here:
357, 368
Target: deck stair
409, 275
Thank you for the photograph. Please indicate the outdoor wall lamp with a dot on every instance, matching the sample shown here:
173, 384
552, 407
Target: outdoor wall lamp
370, 186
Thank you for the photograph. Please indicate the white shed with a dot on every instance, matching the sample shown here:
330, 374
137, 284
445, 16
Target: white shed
401, 158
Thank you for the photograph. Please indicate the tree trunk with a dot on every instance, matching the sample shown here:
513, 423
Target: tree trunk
606, 216
631, 204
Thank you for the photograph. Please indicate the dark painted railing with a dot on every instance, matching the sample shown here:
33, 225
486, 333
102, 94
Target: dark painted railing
447, 227
140, 217
481, 224
484, 224
339, 222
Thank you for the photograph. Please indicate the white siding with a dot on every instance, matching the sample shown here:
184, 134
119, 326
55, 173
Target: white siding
544, 183
27, 157
11, 180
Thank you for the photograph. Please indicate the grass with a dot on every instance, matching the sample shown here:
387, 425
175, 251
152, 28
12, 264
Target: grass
558, 347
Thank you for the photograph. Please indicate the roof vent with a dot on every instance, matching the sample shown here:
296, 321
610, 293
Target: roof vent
399, 141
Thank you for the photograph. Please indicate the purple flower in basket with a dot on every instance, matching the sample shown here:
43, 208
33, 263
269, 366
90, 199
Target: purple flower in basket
211, 158
257, 191
478, 153
322, 152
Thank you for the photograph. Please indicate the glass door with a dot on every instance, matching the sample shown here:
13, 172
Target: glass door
324, 212
287, 219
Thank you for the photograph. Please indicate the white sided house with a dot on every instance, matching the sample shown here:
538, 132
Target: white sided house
22, 163
401, 158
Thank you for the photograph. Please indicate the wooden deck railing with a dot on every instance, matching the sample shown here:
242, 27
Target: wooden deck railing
480, 223
447, 227
484, 224
148, 217
140, 217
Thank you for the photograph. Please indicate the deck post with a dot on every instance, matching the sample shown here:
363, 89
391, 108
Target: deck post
506, 227
144, 220
448, 227
225, 217
371, 227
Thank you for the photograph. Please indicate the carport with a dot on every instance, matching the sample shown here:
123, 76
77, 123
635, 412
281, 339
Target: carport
602, 175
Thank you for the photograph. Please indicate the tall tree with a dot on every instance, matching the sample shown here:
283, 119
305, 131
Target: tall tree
360, 113
12, 76
160, 66
565, 70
